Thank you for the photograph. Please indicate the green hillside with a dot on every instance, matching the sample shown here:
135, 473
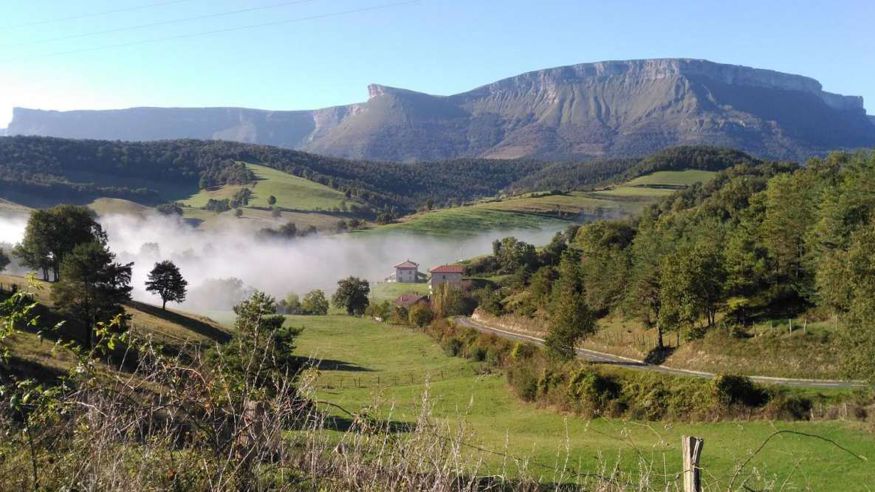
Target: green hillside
536, 210
672, 178
292, 192
387, 370
172, 328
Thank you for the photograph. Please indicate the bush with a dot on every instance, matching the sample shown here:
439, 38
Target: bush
477, 353
789, 407
733, 390
453, 347
420, 315
522, 351
593, 391
523, 379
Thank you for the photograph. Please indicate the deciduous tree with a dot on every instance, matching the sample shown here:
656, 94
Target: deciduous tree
352, 295
166, 280
52, 234
315, 303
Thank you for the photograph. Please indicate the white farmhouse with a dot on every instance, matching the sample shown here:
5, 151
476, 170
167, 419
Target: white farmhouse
407, 272
445, 274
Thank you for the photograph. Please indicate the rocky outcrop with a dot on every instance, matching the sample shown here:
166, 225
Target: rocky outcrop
612, 108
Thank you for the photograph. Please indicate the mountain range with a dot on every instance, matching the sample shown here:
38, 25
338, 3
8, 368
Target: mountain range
604, 109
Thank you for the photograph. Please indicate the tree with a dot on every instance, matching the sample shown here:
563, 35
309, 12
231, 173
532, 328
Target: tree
449, 300
264, 347
420, 315
291, 304
170, 208
643, 296
606, 262
854, 299
571, 318
352, 295
4, 260
166, 281
315, 303
513, 254
52, 234
93, 287
271, 200
380, 310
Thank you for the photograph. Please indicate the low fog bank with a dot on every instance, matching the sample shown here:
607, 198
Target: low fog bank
225, 264
11, 232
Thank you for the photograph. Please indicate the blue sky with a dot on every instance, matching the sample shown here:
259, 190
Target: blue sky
315, 53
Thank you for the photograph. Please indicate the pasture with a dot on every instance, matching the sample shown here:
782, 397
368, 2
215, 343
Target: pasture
388, 370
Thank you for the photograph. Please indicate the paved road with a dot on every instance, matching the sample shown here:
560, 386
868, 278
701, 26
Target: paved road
605, 358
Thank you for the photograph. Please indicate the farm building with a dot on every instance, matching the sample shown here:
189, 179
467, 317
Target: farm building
408, 300
406, 272
445, 274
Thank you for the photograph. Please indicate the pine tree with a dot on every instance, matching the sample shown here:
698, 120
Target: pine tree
571, 318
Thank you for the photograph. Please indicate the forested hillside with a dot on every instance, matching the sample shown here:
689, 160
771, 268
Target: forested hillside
152, 172
758, 242
37, 171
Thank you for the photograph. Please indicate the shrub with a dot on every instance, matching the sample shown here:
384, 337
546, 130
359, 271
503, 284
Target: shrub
523, 379
593, 391
733, 390
420, 315
453, 347
477, 353
522, 351
788, 407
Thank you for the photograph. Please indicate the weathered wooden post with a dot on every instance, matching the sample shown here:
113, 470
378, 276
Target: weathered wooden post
692, 450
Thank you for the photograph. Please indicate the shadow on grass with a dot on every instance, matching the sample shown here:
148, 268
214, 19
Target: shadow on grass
658, 355
335, 365
368, 425
192, 324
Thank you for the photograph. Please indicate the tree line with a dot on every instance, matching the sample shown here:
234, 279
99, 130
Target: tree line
760, 241
77, 171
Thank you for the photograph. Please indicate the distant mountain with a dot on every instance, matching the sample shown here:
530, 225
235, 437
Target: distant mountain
605, 109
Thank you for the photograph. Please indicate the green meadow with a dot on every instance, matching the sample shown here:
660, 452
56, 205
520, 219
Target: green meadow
537, 210
292, 192
387, 369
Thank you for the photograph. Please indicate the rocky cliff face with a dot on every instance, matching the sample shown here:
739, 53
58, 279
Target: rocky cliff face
613, 108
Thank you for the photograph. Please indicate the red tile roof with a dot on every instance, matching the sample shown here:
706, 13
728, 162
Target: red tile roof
407, 264
448, 269
407, 300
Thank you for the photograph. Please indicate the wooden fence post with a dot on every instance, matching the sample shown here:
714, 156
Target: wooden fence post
692, 450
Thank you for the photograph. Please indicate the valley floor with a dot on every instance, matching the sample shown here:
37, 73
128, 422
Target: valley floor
389, 369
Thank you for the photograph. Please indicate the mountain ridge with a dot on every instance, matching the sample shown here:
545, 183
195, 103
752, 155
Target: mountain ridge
601, 109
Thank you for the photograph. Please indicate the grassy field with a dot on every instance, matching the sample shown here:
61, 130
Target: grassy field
771, 349
256, 219
389, 291
672, 178
367, 364
10, 209
107, 206
292, 192
535, 210
300, 201
171, 327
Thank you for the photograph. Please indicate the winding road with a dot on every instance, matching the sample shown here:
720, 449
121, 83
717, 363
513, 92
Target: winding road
605, 358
